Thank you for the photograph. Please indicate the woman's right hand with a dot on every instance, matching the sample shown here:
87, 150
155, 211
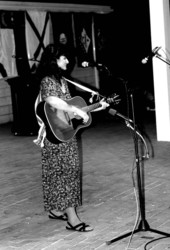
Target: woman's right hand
82, 114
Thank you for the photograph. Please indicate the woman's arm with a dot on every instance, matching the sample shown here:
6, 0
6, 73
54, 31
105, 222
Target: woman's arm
60, 104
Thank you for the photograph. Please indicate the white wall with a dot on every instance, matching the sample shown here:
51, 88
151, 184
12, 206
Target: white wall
160, 36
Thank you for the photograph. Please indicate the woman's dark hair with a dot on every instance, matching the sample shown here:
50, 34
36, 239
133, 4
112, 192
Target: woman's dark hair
48, 65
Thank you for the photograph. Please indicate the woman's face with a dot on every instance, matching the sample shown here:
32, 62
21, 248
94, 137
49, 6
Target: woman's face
62, 62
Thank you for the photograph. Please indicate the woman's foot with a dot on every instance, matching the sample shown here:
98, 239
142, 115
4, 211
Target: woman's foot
57, 215
74, 223
80, 227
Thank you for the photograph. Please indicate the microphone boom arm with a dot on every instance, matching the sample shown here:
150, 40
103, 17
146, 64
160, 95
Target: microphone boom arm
139, 134
163, 59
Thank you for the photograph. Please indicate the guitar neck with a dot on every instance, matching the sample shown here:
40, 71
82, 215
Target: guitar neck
92, 107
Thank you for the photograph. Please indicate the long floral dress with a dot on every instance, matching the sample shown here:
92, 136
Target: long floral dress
60, 162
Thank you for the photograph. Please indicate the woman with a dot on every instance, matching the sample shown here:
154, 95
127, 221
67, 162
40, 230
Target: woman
60, 160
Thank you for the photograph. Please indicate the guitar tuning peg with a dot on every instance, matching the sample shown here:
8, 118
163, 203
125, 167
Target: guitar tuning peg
91, 98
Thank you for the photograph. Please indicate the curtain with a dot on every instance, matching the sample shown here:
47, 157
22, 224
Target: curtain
83, 33
38, 34
7, 52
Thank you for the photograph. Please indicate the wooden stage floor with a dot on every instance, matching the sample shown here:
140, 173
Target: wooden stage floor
110, 197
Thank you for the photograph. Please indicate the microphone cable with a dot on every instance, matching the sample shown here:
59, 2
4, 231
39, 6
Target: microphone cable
137, 206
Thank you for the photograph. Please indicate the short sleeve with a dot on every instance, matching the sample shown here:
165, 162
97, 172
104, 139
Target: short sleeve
49, 87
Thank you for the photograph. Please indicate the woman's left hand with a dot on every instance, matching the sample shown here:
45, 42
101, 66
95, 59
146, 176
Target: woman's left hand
104, 104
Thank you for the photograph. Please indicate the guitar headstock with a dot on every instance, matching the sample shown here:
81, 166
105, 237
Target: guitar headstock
114, 98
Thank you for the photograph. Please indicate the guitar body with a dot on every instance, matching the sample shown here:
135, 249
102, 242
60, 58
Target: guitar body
62, 126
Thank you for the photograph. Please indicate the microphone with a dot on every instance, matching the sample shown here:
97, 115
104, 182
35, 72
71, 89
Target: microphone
152, 54
86, 64
114, 112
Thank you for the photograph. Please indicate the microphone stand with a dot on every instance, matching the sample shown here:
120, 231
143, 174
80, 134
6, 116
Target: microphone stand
143, 224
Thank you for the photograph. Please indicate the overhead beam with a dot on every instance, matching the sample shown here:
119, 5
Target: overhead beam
53, 7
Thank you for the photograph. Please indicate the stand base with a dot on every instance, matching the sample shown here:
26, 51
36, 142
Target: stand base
143, 226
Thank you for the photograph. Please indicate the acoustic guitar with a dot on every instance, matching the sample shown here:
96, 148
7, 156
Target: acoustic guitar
62, 126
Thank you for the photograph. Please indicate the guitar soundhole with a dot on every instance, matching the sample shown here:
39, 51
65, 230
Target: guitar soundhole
76, 123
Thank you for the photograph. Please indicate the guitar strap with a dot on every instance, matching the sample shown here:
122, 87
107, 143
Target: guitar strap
84, 88
42, 132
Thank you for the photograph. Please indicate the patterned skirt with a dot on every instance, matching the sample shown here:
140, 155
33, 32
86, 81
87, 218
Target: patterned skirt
61, 175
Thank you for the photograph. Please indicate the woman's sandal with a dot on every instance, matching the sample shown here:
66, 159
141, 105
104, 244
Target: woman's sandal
82, 227
58, 217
